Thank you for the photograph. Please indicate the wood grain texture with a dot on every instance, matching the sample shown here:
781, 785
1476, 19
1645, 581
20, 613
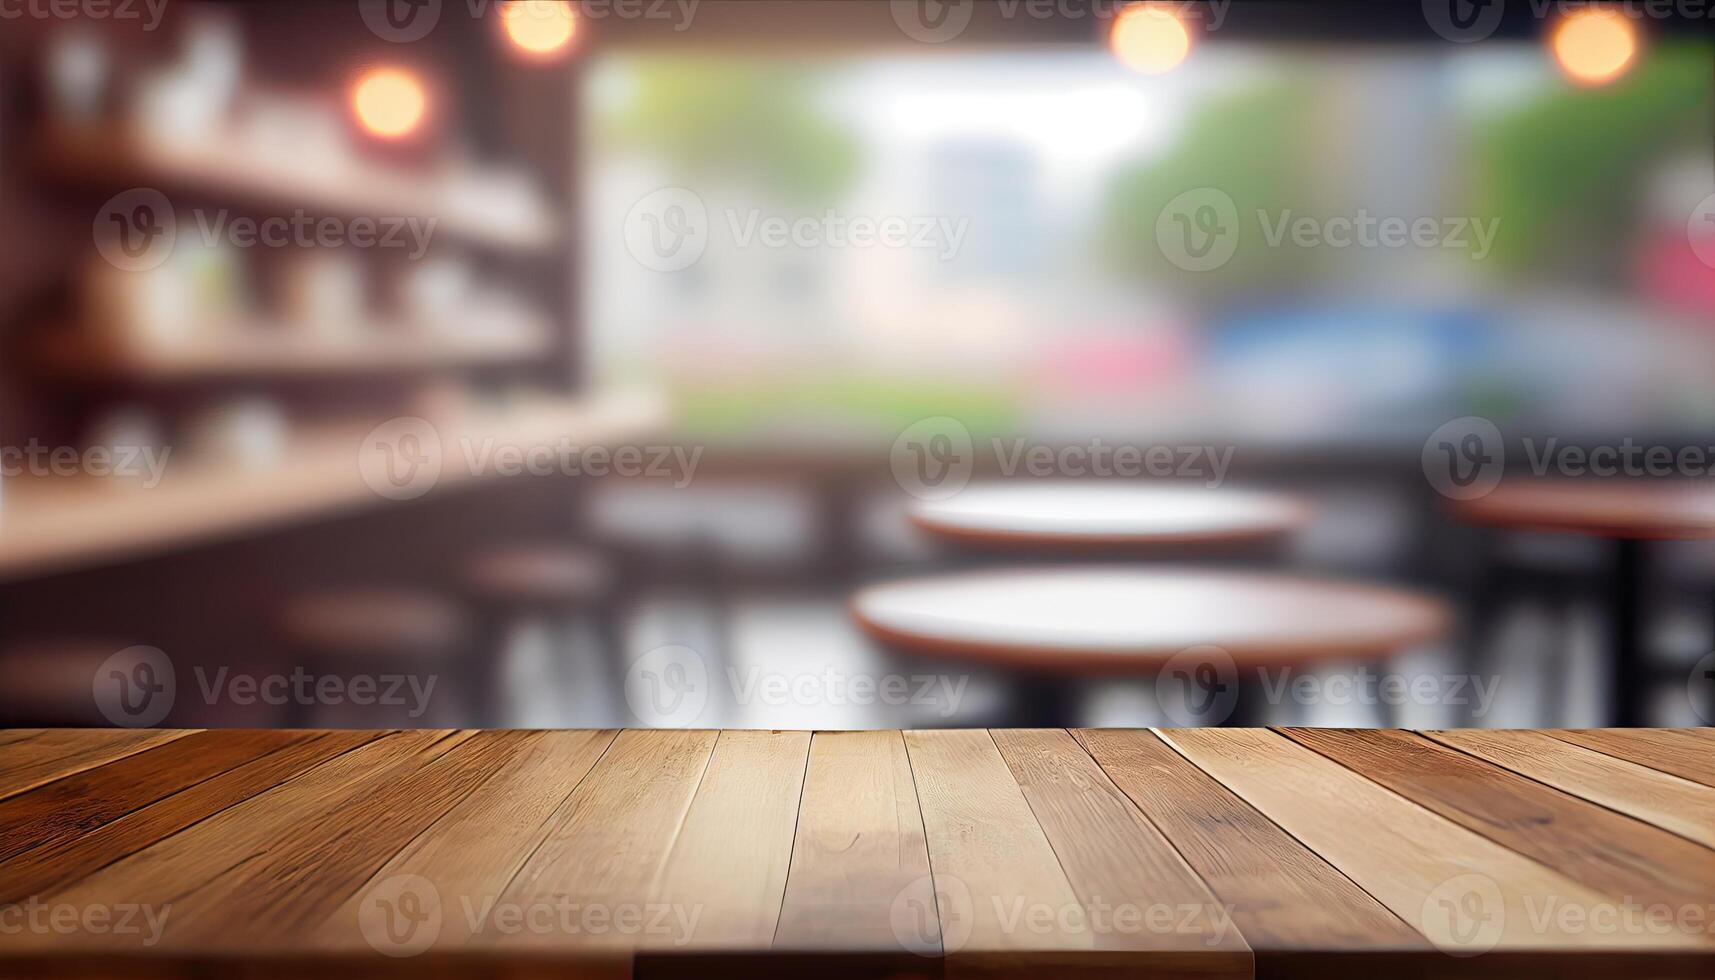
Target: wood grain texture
60, 752
1284, 896
1137, 891
78, 803
1608, 851
999, 899
1667, 801
859, 845
167, 873
925, 854
469, 856
608, 846
754, 781
1462, 891
62, 861
1686, 753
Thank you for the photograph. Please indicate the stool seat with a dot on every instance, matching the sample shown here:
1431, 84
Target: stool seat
375, 622
1103, 619
1626, 509
543, 574
1093, 514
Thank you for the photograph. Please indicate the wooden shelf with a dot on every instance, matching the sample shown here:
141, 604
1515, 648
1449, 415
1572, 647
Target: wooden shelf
50, 525
358, 189
262, 352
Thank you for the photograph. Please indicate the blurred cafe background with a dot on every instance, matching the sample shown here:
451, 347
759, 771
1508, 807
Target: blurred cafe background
856, 364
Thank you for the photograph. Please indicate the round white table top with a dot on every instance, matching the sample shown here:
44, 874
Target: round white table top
1661, 509
1108, 513
1105, 618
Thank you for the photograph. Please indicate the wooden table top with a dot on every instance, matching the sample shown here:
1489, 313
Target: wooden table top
1179, 852
1132, 515
1658, 510
1108, 618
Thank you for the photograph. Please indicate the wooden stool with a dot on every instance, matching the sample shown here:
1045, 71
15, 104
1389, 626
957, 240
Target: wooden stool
1630, 513
545, 582
372, 629
1064, 622
51, 683
1129, 519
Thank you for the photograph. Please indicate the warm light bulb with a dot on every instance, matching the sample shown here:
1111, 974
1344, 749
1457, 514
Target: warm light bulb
389, 102
1595, 46
1150, 38
538, 28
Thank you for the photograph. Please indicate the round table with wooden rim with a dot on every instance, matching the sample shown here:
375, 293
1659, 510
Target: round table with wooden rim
1083, 620
1628, 512
1098, 514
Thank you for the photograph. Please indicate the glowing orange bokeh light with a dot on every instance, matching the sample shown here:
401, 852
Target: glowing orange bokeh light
538, 28
1149, 38
389, 102
1595, 46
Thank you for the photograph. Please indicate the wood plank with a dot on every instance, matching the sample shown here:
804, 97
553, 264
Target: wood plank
1142, 894
78, 803
1284, 896
609, 844
269, 902
1608, 851
754, 781
167, 873
1683, 752
859, 845
60, 752
467, 858
11, 736
995, 876
1462, 891
54, 865
1667, 801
